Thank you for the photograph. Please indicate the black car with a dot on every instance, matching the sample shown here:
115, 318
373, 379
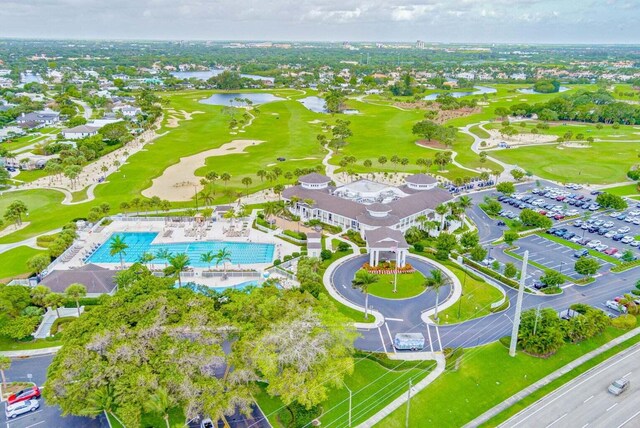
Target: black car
618, 236
602, 231
501, 223
568, 235
552, 230
501, 198
538, 285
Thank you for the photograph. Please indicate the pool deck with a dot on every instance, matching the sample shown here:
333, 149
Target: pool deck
183, 232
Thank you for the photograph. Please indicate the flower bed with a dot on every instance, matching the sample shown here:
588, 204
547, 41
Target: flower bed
386, 268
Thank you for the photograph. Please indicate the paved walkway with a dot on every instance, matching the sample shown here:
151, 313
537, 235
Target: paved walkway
44, 329
548, 379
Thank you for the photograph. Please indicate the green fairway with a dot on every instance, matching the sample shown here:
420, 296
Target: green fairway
599, 164
487, 376
408, 285
606, 133
475, 302
373, 387
625, 190
14, 262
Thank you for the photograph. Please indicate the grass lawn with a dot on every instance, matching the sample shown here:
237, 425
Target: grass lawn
487, 376
373, 387
408, 285
8, 344
14, 262
626, 190
479, 132
477, 297
601, 163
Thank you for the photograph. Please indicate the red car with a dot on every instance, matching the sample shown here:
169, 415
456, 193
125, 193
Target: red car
25, 394
610, 251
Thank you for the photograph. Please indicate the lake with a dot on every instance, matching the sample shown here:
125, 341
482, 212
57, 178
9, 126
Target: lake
227, 99
531, 91
317, 105
204, 75
459, 94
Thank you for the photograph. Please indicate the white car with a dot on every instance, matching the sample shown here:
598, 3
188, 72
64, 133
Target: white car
594, 243
634, 213
615, 214
610, 234
634, 243
608, 224
21, 407
576, 238
636, 221
601, 247
629, 219
624, 229
612, 304
627, 239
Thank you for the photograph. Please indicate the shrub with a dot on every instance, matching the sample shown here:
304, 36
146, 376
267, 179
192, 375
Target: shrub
60, 323
325, 254
287, 257
418, 247
624, 322
296, 235
635, 292
343, 246
85, 301
552, 290
277, 262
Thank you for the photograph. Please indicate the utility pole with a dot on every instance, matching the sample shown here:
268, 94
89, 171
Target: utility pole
350, 398
535, 324
406, 421
516, 317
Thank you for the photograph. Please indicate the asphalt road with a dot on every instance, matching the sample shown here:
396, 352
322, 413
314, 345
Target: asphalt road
585, 402
34, 369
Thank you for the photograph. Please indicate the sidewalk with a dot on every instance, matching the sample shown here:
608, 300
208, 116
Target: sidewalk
49, 318
30, 352
548, 379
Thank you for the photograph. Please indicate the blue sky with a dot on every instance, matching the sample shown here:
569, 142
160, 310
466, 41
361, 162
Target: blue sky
530, 21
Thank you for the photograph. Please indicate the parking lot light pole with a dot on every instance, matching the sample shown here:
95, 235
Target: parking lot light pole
350, 398
516, 317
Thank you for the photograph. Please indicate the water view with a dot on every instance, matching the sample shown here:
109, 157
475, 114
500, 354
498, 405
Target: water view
459, 94
204, 75
532, 91
232, 99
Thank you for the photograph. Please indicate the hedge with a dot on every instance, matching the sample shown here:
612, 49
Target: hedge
502, 307
85, 301
296, 235
382, 359
493, 274
625, 266
625, 322
552, 290
60, 322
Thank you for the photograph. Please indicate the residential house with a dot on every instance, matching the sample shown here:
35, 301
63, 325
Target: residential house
79, 132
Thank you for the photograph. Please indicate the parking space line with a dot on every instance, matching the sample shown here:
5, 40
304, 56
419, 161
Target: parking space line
382, 340
37, 423
390, 338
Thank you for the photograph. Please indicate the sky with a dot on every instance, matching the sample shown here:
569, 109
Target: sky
456, 21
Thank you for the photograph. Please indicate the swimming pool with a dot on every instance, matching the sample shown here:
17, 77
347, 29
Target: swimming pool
141, 242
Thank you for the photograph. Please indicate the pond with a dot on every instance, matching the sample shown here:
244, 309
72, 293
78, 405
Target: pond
317, 105
459, 94
230, 99
204, 75
531, 91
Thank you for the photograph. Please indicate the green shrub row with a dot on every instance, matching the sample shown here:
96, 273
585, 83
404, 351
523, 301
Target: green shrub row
493, 274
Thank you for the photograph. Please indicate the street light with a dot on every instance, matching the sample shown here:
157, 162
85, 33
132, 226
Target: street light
464, 281
350, 397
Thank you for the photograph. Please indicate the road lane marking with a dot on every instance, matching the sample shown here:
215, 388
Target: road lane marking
588, 399
429, 334
557, 420
614, 405
585, 425
629, 420
382, 340
438, 334
627, 374
390, 338
37, 423
394, 319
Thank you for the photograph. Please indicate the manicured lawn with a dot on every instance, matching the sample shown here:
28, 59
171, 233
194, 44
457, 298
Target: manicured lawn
601, 163
373, 386
8, 344
479, 132
477, 297
626, 190
13, 263
408, 285
487, 376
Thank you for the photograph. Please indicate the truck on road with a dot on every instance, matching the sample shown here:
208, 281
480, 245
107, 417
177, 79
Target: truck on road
409, 341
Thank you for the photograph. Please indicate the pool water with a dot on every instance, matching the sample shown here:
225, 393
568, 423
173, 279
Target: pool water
140, 242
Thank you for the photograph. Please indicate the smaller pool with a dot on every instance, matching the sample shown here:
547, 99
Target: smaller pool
479, 90
242, 286
239, 99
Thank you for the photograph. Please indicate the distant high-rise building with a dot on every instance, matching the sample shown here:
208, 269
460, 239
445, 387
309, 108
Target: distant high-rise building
420, 44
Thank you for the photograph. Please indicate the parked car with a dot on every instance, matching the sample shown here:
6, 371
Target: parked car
601, 247
627, 239
577, 223
206, 423
611, 251
617, 236
538, 285
21, 407
594, 243
634, 243
612, 304
24, 395
619, 386
580, 253
610, 234
624, 229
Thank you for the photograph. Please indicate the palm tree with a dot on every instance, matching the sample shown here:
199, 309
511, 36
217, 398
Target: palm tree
164, 254
146, 258
102, 399
247, 182
413, 234
630, 302
262, 174
363, 280
160, 402
119, 247
464, 202
178, 263
442, 210
225, 177
55, 301
76, 292
207, 258
223, 256
206, 196
5, 363
496, 173
435, 282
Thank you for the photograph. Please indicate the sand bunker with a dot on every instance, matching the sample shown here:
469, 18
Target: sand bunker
179, 182
517, 140
173, 118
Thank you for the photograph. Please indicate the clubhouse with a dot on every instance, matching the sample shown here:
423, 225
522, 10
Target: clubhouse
379, 212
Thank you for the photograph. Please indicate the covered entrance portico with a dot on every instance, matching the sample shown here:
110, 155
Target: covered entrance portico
386, 240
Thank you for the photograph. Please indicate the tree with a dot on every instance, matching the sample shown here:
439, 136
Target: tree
39, 294
552, 278
38, 263
160, 402
223, 256
177, 264
118, 246
506, 188
413, 235
510, 236
225, 177
55, 301
262, 174
540, 332
147, 258
442, 211
469, 239
517, 174
478, 253
115, 133
362, 281
76, 292
164, 254
535, 219
4, 177
491, 206
510, 270
247, 182
426, 129
15, 211
464, 202
5, 364
586, 266
435, 282
607, 200
445, 243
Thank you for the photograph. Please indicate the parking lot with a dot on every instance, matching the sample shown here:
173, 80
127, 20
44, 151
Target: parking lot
553, 255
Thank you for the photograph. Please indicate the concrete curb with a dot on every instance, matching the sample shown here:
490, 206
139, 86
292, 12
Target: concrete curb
548, 379
30, 352
395, 404
328, 284
451, 299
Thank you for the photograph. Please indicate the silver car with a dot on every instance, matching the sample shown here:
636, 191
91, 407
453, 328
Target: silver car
619, 386
21, 407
